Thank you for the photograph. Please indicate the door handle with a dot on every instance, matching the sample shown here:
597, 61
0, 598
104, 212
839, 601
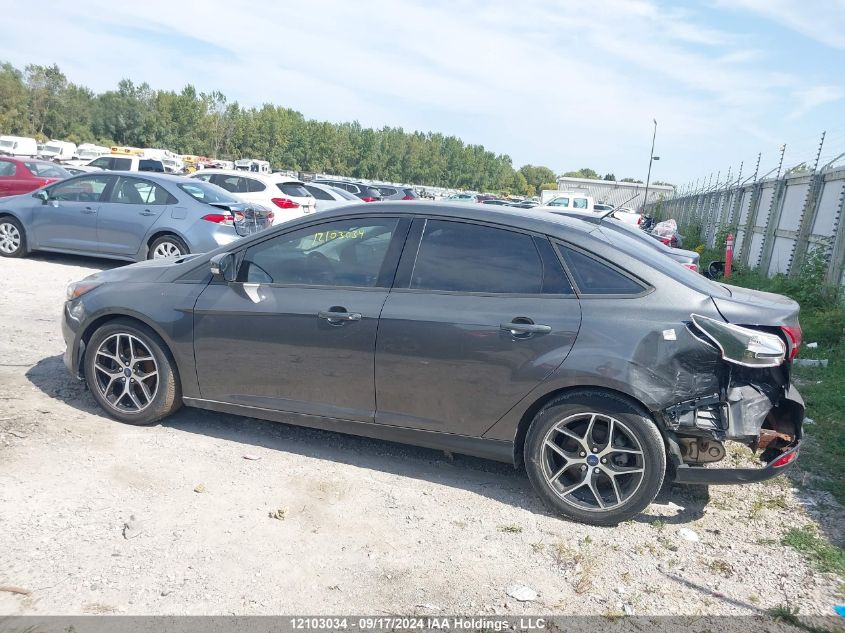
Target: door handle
89, 210
147, 212
525, 327
337, 316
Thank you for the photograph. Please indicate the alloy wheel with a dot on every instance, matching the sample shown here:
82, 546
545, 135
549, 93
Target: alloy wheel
126, 373
10, 237
592, 461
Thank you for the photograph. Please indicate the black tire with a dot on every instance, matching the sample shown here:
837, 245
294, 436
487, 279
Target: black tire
12, 237
166, 398
168, 243
638, 445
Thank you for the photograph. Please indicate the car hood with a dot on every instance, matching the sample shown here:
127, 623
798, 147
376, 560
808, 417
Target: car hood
754, 307
143, 272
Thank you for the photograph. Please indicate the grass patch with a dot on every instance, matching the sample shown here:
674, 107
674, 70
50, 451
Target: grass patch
826, 557
511, 529
775, 503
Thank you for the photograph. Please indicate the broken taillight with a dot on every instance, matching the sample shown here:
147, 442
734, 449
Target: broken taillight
784, 460
793, 335
741, 345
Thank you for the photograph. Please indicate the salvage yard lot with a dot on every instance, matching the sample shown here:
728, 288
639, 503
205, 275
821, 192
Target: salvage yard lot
213, 514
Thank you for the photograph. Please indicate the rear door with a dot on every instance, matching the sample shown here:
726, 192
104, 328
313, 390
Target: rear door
8, 173
297, 331
68, 220
478, 316
133, 206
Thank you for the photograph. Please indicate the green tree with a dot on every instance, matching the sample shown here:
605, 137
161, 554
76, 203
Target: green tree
610, 176
536, 175
14, 101
584, 172
631, 180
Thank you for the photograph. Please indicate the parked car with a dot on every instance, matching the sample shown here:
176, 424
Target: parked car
571, 201
509, 334
523, 204
125, 215
391, 192
58, 150
463, 196
22, 176
286, 196
365, 192
114, 162
498, 202
73, 170
89, 151
629, 216
687, 259
330, 197
18, 146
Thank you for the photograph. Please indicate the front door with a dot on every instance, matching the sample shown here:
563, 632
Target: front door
126, 217
477, 319
297, 331
68, 219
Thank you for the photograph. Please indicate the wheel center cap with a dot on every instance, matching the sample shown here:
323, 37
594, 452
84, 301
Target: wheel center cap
128, 372
592, 460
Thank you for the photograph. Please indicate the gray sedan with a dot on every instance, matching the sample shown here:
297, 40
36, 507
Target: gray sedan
598, 365
126, 215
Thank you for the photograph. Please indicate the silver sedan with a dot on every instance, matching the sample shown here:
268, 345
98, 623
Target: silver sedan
126, 215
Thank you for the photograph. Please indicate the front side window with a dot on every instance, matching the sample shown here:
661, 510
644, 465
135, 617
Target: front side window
560, 202
7, 168
596, 278
318, 193
46, 170
104, 162
234, 184
459, 257
346, 253
254, 186
135, 191
88, 189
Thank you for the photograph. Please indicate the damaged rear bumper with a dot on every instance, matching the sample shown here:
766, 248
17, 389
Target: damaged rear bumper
779, 439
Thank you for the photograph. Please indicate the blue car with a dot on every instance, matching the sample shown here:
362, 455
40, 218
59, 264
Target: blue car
126, 215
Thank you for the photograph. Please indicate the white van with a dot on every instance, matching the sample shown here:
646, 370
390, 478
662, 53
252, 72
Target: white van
253, 165
567, 200
58, 150
22, 146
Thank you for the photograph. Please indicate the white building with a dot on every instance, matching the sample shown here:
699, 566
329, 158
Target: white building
614, 192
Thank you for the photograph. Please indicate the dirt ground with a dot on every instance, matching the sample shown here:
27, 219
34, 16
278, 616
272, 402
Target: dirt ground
99, 517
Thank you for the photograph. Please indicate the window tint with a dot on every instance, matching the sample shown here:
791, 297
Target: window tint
341, 253
579, 203
80, 189
471, 258
410, 193
295, 189
121, 164
134, 191
148, 165
235, 184
594, 277
46, 170
254, 186
554, 279
104, 162
559, 202
7, 168
386, 191
318, 193
207, 192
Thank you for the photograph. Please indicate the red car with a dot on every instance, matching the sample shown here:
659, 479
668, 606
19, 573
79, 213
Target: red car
23, 176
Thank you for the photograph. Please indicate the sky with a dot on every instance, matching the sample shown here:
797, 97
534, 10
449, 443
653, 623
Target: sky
563, 84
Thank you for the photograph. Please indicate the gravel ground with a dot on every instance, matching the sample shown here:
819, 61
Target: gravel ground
99, 517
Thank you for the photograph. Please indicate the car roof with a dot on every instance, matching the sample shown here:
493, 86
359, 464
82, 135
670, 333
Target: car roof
274, 177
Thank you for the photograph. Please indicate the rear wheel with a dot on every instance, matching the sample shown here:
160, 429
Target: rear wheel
131, 373
12, 238
595, 457
168, 246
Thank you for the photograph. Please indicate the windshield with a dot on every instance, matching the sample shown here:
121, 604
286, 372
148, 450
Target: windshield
208, 193
659, 261
7, 143
47, 170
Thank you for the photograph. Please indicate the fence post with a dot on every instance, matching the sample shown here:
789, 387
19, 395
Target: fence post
750, 221
837, 249
808, 217
772, 222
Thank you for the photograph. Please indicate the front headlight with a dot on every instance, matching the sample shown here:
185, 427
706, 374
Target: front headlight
79, 288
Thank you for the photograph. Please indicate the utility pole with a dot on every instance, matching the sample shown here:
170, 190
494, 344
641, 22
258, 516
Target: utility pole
651, 157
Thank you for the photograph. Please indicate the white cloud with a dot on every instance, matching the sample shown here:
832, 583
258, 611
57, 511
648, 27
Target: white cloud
820, 20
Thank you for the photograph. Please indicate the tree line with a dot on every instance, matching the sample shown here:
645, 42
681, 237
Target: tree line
40, 101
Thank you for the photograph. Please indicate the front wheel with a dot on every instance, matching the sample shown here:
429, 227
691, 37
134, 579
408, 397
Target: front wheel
594, 457
12, 238
168, 246
131, 374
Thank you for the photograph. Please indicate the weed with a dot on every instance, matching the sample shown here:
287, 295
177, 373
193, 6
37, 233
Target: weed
538, 548
669, 545
785, 613
510, 529
563, 554
754, 598
826, 557
721, 567
765, 541
658, 524
775, 503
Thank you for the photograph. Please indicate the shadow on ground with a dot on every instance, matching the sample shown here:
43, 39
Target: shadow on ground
494, 480
82, 261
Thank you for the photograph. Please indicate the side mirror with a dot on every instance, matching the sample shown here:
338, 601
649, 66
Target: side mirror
224, 265
42, 195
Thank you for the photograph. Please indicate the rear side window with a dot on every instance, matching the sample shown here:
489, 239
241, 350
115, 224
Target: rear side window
579, 203
295, 189
387, 191
595, 278
254, 186
119, 164
146, 164
318, 193
7, 168
410, 193
459, 257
